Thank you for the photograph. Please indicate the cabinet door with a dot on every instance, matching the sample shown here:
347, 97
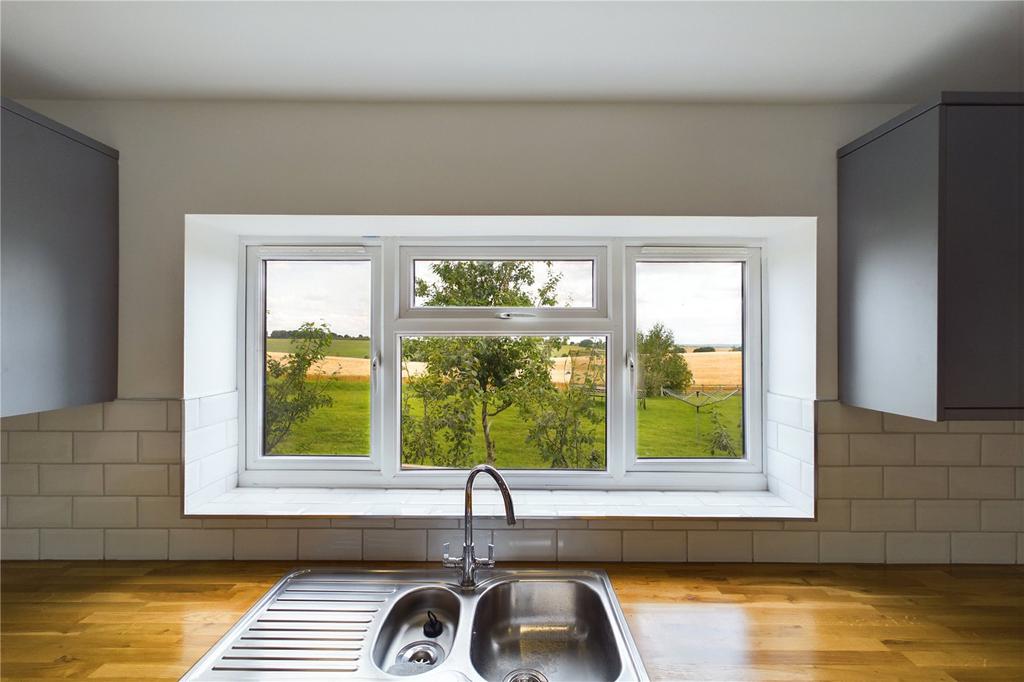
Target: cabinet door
59, 265
982, 262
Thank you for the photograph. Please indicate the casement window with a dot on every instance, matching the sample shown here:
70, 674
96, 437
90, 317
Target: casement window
400, 363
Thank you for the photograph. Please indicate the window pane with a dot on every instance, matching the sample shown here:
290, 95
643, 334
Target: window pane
517, 402
689, 326
504, 284
316, 398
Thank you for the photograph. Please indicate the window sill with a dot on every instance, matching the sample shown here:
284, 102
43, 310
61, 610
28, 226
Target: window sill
530, 504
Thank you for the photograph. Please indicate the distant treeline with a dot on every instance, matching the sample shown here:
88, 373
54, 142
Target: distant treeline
292, 333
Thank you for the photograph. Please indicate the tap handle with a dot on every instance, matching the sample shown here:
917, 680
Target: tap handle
490, 552
444, 552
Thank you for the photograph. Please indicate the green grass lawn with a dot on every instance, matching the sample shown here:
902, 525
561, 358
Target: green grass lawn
667, 428
345, 348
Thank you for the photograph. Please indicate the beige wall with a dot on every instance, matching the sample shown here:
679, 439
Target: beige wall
180, 157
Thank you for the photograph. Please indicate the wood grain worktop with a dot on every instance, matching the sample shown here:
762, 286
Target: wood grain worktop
153, 620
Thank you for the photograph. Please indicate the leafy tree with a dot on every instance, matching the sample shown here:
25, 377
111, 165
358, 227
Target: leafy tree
563, 421
661, 366
704, 349
721, 440
290, 397
486, 374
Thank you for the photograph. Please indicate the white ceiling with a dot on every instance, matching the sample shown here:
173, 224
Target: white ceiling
693, 52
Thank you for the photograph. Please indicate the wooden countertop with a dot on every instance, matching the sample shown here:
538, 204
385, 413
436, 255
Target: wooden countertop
152, 620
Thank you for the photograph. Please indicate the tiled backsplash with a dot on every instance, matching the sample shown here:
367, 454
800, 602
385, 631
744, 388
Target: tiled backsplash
104, 481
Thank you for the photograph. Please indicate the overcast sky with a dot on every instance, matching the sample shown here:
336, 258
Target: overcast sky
700, 302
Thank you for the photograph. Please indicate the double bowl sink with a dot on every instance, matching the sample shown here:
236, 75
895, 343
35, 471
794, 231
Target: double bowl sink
512, 626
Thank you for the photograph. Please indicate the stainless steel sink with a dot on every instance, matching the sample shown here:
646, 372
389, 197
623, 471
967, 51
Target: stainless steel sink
511, 626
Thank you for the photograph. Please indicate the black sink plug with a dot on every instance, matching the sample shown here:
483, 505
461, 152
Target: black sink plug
433, 627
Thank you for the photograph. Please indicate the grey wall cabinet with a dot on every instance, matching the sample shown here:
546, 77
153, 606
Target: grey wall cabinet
58, 246
931, 261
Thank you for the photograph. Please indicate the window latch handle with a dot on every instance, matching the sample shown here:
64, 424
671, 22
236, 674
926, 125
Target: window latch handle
375, 368
508, 315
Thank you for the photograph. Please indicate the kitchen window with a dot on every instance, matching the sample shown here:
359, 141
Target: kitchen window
399, 363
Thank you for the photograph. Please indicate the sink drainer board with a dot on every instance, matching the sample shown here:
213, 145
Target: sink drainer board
361, 625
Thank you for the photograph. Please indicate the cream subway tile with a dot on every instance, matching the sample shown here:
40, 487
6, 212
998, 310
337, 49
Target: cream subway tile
231, 431
981, 483
833, 449
783, 467
382, 544
771, 435
217, 409
235, 523
19, 479
205, 441
39, 446
589, 545
492, 522
164, 512
786, 546
426, 522
104, 512
160, 447
525, 545
947, 515
266, 543
619, 524
135, 479
135, 544
81, 418
1002, 450
882, 515
71, 479
39, 512
948, 449
796, 442
898, 424
217, 467
916, 482
807, 415
849, 482
1002, 515
189, 544
984, 548
190, 414
851, 548
555, 524
174, 415
364, 522
333, 544
19, 545
750, 524
684, 524
834, 417
783, 409
917, 548
174, 479
107, 447
881, 449
654, 545
436, 537
831, 515
70, 544
21, 422
298, 523
981, 427
728, 546
135, 415
807, 478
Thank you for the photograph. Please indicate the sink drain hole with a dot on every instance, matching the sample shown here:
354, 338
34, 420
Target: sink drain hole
421, 653
525, 675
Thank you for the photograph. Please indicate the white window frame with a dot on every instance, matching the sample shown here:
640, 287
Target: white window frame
393, 316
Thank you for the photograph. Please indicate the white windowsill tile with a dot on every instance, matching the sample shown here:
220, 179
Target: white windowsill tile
529, 504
